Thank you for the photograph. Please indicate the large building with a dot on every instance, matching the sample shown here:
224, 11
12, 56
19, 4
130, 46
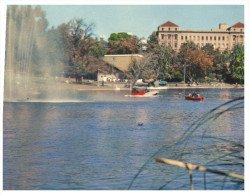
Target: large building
222, 38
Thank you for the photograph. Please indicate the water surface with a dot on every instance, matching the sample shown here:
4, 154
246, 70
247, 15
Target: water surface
97, 144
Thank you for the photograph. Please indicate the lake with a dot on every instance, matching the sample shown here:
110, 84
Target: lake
103, 140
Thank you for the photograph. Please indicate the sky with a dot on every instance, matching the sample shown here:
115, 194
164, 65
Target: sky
142, 20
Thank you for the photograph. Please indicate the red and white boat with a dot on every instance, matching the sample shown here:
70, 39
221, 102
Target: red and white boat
143, 92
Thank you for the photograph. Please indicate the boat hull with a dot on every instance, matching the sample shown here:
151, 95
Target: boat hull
194, 98
143, 93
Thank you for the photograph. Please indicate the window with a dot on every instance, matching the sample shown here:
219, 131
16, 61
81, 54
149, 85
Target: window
162, 36
218, 38
175, 29
234, 37
223, 38
206, 38
175, 37
241, 30
198, 38
190, 37
181, 37
202, 38
169, 29
162, 29
215, 38
169, 36
175, 45
186, 38
211, 38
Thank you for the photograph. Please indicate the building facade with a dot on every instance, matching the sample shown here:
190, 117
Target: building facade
223, 38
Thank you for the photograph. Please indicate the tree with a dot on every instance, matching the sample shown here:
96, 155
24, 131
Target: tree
142, 69
196, 61
99, 48
122, 43
121, 36
237, 64
153, 41
165, 61
75, 42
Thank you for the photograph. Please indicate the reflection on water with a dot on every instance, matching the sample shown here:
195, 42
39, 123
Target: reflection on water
99, 144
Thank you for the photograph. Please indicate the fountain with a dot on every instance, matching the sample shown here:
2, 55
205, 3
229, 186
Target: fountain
29, 70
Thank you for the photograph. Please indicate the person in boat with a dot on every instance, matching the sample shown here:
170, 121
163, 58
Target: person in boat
194, 94
135, 90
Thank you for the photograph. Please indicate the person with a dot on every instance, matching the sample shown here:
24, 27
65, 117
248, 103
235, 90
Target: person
194, 94
134, 90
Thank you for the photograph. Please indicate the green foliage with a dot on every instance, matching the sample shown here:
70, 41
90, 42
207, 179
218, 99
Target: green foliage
121, 36
127, 45
153, 41
98, 49
122, 43
237, 64
165, 61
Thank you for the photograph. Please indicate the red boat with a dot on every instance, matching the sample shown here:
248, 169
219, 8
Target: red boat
136, 92
143, 92
194, 98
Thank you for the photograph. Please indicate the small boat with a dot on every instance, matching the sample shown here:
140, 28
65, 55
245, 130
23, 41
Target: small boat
194, 98
146, 93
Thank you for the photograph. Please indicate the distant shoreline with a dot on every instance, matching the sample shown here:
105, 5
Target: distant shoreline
93, 85
110, 88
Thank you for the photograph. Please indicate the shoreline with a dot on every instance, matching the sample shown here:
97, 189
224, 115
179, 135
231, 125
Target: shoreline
93, 86
109, 88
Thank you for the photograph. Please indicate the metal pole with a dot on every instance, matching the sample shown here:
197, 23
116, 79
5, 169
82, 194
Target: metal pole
184, 73
98, 75
113, 59
112, 70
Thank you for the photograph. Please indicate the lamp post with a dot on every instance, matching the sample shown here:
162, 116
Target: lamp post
113, 59
98, 75
184, 72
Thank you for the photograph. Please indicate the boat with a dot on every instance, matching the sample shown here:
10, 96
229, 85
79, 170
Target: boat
143, 92
194, 98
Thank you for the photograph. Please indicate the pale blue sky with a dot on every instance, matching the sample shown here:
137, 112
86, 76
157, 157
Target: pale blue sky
142, 20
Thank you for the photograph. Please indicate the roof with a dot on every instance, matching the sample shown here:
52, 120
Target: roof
169, 24
238, 25
122, 62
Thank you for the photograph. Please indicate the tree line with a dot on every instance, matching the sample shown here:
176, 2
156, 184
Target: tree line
71, 49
